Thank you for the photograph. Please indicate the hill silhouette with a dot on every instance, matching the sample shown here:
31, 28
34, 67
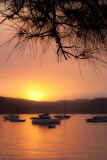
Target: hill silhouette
84, 106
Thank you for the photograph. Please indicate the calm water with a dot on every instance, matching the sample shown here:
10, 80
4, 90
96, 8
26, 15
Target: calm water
72, 139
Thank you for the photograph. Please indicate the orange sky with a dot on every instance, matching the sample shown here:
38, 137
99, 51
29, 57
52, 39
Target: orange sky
48, 80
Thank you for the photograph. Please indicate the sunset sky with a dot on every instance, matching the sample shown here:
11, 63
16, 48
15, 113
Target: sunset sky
44, 79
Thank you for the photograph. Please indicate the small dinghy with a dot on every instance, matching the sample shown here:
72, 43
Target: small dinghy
51, 125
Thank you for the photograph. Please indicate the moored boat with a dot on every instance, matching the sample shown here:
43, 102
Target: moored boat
18, 120
98, 119
11, 117
62, 116
14, 118
45, 119
45, 115
51, 125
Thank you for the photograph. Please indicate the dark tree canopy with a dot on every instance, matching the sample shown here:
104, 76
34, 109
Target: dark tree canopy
79, 27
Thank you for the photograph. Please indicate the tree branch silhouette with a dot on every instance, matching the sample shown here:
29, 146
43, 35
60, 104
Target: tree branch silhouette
78, 27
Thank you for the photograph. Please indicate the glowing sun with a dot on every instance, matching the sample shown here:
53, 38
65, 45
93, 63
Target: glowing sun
34, 95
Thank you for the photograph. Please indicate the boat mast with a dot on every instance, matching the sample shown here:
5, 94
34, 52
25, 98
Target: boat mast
64, 107
18, 108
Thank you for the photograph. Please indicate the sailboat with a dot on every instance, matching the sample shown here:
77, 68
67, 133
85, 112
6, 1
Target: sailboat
98, 118
17, 119
64, 116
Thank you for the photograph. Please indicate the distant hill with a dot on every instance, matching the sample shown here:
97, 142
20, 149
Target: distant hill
85, 106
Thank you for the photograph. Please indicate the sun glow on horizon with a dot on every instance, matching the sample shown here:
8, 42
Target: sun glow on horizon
33, 90
34, 95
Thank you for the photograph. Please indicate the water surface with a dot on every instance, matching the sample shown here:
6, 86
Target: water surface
72, 139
